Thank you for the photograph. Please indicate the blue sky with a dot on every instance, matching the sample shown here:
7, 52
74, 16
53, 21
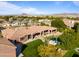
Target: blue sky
38, 7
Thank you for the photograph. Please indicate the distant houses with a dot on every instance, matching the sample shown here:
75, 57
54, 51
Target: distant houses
15, 22
5, 24
29, 22
45, 21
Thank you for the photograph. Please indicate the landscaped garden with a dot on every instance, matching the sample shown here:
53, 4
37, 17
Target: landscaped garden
70, 37
69, 41
38, 48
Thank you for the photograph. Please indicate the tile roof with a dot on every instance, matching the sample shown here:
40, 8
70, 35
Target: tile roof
8, 33
22, 31
6, 42
69, 22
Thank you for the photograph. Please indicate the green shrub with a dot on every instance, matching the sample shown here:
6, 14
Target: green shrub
70, 53
68, 40
58, 23
31, 49
76, 27
34, 43
30, 52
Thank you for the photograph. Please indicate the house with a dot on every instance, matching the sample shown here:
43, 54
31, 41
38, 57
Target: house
22, 34
24, 22
70, 23
7, 49
1, 21
5, 24
15, 37
15, 23
45, 21
30, 22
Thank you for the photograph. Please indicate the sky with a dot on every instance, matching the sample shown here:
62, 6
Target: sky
38, 7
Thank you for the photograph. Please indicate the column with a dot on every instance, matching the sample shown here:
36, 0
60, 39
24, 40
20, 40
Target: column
26, 38
42, 33
32, 36
50, 31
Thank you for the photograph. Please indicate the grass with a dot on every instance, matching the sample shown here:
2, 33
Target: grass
70, 53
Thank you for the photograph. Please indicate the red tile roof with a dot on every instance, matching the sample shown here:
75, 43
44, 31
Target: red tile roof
22, 31
4, 41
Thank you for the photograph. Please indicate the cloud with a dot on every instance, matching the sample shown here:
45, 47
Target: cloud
9, 8
31, 11
76, 3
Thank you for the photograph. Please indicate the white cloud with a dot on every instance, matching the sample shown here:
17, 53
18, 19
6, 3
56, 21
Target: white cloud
76, 3
8, 8
31, 11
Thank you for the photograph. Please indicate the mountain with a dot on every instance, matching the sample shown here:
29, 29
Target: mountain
56, 15
66, 14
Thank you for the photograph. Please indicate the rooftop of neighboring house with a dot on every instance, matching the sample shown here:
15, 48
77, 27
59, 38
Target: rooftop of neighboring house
69, 22
41, 20
1, 21
14, 33
4, 41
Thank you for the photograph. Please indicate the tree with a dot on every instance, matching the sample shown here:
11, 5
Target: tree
69, 40
43, 24
76, 27
48, 51
58, 23
31, 49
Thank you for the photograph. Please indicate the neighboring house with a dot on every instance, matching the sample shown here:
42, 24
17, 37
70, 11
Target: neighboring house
23, 23
10, 19
45, 21
6, 24
7, 49
30, 22
76, 21
1, 21
19, 23
15, 23
70, 23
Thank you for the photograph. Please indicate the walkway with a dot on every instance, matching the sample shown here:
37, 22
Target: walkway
42, 37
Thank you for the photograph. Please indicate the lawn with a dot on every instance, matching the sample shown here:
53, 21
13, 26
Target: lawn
70, 53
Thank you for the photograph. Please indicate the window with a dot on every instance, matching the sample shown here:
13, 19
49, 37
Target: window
29, 36
45, 32
53, 30
22, 38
